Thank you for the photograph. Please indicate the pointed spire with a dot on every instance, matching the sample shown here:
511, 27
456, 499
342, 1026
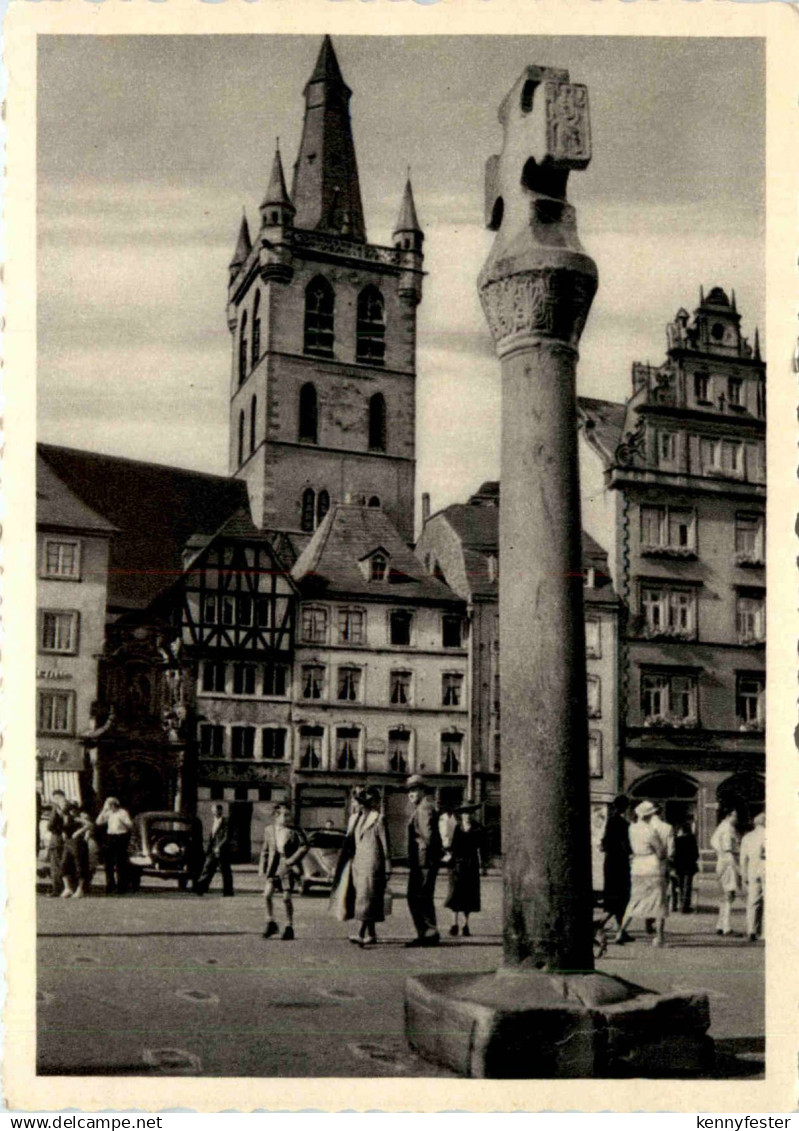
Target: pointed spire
326, 161
757, 344
276, 191
327, 68
243, 243
732, 300
701, 295
407, 220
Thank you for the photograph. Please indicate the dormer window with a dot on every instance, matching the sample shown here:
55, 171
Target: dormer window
378, 567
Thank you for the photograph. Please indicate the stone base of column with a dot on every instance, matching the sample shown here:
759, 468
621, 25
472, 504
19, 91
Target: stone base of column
522, 1024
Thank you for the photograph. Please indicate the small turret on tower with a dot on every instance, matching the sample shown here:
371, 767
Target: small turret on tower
243, 247
408, 238
277, 217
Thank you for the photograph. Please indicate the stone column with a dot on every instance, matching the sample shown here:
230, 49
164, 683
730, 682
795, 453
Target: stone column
536, 290
545, 1012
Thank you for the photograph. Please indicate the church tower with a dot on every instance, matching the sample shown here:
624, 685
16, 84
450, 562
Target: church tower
323, 328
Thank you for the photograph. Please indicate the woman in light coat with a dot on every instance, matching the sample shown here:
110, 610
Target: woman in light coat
364, 870
648, 873
726, 841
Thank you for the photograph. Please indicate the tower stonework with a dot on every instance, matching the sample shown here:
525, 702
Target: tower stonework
323, 331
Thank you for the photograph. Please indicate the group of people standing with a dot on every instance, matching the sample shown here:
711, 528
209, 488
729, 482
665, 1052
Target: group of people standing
73, 848
435, 840
650, 865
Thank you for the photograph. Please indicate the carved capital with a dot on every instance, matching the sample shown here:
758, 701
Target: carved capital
543, 303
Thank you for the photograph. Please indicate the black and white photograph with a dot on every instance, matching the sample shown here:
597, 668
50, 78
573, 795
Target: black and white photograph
400, 558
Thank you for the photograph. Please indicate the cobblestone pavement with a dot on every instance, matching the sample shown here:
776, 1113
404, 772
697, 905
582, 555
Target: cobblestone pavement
165, 983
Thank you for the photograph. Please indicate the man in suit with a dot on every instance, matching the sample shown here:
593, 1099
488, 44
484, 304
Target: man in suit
217, 855
424, 859
283, 848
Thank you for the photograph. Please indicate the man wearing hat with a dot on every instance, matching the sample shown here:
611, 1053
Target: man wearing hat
424, 858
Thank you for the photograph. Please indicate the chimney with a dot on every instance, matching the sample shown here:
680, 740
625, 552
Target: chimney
425, 506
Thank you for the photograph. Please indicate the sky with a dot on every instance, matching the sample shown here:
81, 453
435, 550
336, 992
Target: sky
149, 147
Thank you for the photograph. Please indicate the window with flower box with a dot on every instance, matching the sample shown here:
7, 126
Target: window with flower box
750, 540
750, 617
669, 699
750, 701
668, 611
668, 532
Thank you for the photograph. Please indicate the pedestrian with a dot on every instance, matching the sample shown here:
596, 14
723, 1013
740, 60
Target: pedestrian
648, 874
467, 850
217, 855
686, 865
727, 843
615, 844
342, 894
117, 823
57, 824
447, 824
371, 867
424, 859
75, 861
283, 848
753, 875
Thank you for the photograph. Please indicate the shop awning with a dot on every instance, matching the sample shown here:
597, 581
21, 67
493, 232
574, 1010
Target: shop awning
66, 780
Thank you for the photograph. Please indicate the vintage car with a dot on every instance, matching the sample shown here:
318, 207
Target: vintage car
169, 845
319, 863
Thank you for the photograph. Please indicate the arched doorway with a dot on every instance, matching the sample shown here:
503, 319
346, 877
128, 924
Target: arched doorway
744, 792
677, 793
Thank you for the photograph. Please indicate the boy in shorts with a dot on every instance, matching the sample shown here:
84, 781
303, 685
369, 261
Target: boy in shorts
283, 848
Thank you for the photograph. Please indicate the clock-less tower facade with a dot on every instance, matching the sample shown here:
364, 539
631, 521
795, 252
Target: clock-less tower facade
323, 328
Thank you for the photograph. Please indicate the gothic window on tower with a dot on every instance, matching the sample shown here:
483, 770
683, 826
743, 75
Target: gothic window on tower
253, 413
308, 504
243, 348
256, 330
309, 414
241, 438
377, 423
370, 328
319, 303
322, 505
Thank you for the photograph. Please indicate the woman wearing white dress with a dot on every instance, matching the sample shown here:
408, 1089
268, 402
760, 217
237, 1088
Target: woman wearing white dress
726, 841
648, 874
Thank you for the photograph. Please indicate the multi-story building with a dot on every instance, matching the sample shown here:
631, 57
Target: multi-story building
72, 547
677, 478
381, 672
323, 330
461, 544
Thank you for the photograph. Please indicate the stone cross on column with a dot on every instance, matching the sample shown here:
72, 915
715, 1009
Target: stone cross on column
545, 1012
536, 290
